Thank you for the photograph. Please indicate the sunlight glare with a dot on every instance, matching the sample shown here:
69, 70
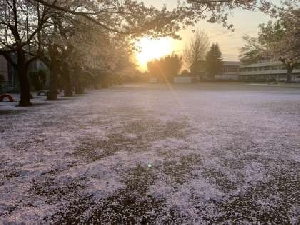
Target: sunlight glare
152, 49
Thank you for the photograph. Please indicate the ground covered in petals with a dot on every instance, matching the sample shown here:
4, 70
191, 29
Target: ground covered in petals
153, 154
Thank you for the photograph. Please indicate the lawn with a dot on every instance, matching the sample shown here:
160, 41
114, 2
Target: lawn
153, 154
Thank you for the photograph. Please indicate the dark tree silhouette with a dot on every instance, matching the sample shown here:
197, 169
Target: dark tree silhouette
214, 61
20, 23
196, 49
166, 67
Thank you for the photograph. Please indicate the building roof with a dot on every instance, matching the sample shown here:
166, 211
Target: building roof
261, 64
231, 63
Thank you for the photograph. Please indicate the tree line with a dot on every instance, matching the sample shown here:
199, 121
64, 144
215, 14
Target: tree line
165, 68
197, 56
77, 40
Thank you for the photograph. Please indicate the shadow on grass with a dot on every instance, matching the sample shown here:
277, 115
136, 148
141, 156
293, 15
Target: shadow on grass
130, 205
134, 136
39, 104
10, 112
272, 202
133, 204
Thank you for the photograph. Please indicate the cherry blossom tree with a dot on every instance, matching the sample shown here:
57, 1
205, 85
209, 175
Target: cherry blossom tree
20, 22
217, 11
288, 48
25, 23
124, 17
277, 40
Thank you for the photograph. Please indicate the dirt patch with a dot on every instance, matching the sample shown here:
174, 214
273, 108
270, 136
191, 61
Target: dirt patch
11, 112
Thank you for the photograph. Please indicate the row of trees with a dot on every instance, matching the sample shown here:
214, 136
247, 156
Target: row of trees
276, 40
75, 39
80, 39
165, 68
199, 55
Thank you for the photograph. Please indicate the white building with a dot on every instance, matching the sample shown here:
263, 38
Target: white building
183, 80
267, 71
230, 71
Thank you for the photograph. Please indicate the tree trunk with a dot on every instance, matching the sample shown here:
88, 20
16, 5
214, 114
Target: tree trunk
25, 95
67, 83
79, 90
78, 84
289, 75
104, 82
52, 94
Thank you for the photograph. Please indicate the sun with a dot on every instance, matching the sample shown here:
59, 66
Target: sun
150, 49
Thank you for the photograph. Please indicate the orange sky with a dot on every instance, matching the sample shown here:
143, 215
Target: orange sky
245, 23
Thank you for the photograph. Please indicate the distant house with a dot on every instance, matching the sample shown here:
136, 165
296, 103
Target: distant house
183, 79
9, 74
230, 71
7, 78
153, 80
198, 70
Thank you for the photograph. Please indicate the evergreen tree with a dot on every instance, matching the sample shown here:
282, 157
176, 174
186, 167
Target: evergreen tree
214, 61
